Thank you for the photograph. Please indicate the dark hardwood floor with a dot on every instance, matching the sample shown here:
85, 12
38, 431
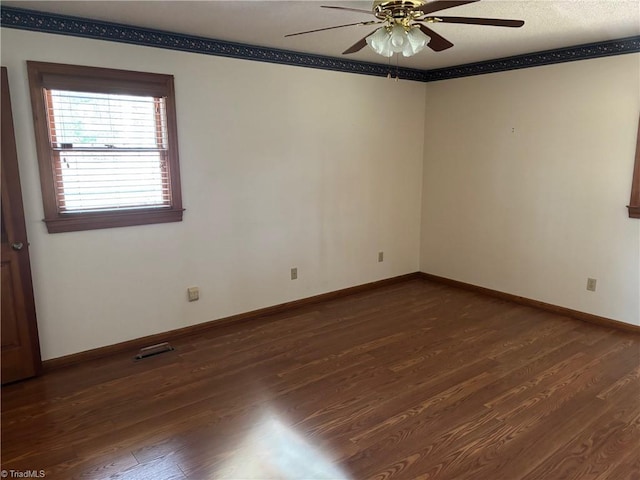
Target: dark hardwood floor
412, 380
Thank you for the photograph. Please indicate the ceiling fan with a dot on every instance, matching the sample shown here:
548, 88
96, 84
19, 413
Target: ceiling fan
403, 27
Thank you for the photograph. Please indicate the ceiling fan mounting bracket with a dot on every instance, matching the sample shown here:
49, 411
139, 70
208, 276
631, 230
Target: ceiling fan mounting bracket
398, 11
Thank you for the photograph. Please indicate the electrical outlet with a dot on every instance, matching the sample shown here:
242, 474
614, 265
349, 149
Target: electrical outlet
193, 294
294, 273
591, 284
380, 256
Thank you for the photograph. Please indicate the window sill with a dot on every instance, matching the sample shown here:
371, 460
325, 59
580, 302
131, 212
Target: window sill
76, 222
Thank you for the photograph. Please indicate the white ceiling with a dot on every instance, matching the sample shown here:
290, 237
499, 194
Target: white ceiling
549, 24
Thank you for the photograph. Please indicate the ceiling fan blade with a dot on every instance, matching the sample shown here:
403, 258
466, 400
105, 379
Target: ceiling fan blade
496, 22
348, 9
438, 42
438, 5
359, 45
331, 28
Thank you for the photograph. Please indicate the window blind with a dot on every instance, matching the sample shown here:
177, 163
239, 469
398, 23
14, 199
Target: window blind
109, 150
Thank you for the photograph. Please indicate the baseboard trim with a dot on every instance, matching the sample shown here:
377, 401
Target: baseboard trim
134, 345
585, 317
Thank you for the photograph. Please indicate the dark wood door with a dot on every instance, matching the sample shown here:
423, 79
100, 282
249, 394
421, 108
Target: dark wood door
20, 346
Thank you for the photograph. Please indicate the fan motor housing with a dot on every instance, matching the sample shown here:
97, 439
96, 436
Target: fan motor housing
397, 9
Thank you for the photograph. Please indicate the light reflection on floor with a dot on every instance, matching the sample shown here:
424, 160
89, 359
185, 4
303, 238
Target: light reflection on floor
272, 450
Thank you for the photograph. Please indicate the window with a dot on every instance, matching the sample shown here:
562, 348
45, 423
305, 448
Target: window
107, 146
634, 204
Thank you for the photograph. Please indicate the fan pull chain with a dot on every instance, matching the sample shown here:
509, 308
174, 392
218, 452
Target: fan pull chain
389, 75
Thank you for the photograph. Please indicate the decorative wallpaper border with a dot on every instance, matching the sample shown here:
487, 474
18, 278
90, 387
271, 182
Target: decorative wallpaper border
23, 19
547, 57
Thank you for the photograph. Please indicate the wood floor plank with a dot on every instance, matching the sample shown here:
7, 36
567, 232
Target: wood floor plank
530, 437
410, 380
595, 451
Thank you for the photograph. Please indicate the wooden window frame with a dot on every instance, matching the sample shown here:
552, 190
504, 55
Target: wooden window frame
634, 203
43, 76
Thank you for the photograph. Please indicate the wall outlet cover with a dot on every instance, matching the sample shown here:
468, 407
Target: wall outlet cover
193, 294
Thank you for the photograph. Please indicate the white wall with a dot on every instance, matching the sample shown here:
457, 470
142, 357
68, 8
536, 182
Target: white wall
281, 166
526, 178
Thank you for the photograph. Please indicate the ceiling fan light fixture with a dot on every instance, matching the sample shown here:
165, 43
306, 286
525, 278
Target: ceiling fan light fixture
416, 41
380, 42
397, 38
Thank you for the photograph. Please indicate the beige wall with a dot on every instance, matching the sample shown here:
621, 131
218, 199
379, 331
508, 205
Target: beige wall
526, 179
281, 167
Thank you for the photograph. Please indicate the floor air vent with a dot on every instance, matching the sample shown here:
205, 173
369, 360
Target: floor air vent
154, 350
